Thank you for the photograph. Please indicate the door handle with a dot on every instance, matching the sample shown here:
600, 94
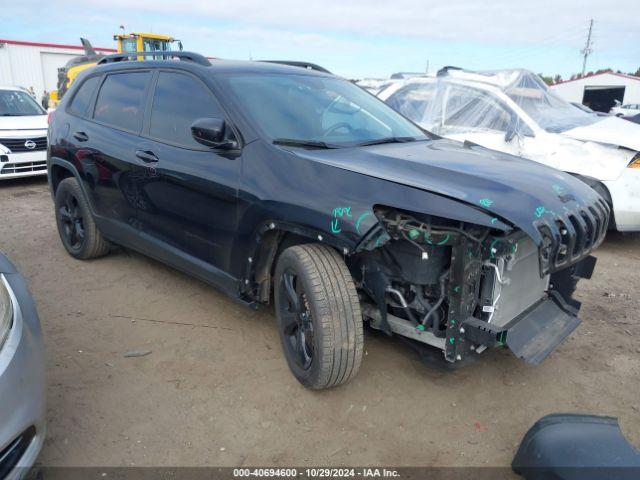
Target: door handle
81, 136
146, 156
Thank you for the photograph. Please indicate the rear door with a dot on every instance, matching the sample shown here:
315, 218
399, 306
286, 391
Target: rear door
190, 202
106, 148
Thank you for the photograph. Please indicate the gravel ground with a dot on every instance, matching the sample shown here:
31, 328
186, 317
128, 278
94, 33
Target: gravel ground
215, 389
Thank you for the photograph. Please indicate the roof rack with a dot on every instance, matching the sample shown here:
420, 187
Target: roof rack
445, 70
305, 65
183, 56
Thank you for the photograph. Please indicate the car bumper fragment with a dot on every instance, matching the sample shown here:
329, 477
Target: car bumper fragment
22, 386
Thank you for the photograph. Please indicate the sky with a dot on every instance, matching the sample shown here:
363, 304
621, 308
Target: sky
357, 38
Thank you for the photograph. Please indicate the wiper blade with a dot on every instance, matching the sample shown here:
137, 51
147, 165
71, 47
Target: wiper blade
292, 142
380, 141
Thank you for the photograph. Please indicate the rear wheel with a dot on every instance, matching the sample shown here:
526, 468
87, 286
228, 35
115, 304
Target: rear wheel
319, 316
76, 227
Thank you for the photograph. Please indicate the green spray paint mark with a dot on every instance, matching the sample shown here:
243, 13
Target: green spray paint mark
557, 188
360, 219
342, 212
540, 211
456, 289
452, 340
492, 249
427, 238
413, 234
443, 241
339, 212
494, 220
420, 328
486, 202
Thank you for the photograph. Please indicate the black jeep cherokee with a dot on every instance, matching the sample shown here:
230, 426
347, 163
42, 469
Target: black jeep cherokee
260, 178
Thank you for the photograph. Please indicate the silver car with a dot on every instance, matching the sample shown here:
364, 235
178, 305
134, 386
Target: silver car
22, 389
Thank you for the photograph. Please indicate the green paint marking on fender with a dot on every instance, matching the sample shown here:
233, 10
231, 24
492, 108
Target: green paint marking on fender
486, 202
414, 233
335, 228
452, 340
540, 211
360, 219
494, 220
342, 212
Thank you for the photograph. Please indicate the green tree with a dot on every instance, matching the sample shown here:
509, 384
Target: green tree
546, 79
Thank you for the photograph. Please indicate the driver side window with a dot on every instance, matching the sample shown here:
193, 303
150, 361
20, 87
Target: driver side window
468, 108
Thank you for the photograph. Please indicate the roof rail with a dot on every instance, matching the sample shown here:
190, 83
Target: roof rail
445, 70
183, 56
293, 63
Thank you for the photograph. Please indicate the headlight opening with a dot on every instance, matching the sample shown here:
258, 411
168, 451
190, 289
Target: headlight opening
6, 310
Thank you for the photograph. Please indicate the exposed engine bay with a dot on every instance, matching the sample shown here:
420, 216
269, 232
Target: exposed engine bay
463, 288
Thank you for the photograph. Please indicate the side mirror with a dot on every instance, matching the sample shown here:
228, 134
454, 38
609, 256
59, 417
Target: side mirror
211, 132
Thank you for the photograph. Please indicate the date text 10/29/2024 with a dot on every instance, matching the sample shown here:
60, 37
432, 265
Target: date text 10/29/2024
315, 473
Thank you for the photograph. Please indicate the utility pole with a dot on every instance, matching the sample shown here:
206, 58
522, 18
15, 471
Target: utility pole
586, 51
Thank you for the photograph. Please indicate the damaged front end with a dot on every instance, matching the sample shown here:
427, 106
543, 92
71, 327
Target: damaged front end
463, 288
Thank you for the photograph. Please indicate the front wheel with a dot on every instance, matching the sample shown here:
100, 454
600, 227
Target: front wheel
319, 316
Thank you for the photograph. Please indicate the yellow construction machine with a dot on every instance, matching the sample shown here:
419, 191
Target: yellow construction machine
126, 43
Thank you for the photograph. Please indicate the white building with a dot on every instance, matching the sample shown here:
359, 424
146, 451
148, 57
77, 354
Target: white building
599, 91
31, 64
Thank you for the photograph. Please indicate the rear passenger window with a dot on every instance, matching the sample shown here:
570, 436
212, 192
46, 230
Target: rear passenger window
120, 101
178, 100
80, 102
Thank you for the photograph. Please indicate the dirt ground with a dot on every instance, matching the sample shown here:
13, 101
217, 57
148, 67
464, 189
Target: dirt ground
216, 389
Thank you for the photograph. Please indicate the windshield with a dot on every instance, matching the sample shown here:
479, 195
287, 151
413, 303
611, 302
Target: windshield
545, 107
15, 103
320, 110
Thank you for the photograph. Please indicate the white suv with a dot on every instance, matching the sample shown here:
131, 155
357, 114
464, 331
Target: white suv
23, 134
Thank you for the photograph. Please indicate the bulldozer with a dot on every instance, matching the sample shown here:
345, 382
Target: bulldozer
126, 43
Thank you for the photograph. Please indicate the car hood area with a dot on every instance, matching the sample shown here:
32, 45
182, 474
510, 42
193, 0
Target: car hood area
10, 126
517, 190
611, 131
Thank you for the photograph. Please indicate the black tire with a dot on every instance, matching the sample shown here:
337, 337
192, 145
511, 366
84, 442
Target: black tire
322, 339
76, 227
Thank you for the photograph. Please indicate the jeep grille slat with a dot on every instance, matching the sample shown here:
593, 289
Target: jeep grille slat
572, 235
